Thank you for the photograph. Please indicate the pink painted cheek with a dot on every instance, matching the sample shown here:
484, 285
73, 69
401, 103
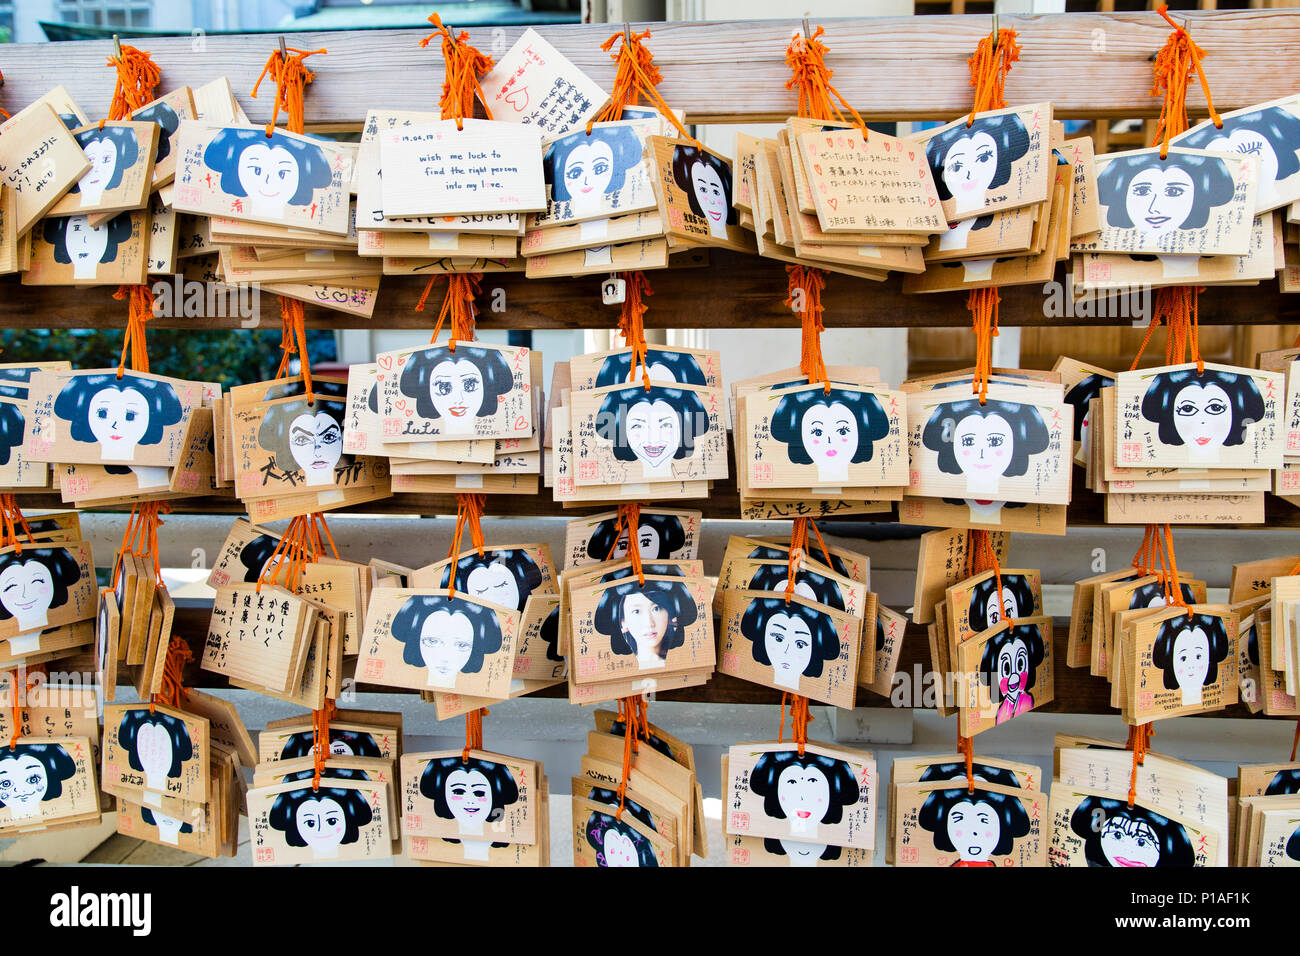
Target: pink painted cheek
1004, 684
816, 441
998, 453
457, 799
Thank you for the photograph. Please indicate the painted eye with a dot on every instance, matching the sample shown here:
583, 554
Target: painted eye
1141, 189
442, 388
801, 645
601, 168
284, 174
984, 156
101, 413
6, 783
130, 416
573, 172
462, 645
256, 170
470, 386
310, 824
996, 441
842, 430
1175, 191
301, 440
1251, 149
1216, 407
1186, 408
967, 441
955, 167
34, 779
817, 431
332, 821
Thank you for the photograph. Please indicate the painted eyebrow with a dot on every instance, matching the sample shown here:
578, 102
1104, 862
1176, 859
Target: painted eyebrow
299, 430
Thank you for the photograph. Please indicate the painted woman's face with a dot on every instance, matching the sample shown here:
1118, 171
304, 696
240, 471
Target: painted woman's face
830, 434
317, 443
269, 175
1191, 657
644, 622
85, 245
654, 432
494, 583
103, 160
983, 447
446, 642
974, 829
647, 542
23, 781
619, 849
26, 590
456, 389
1159, 200
469, 795
153, 745
804, 795
1202, 416
1129, 843
321, 823
118, 420
969, 168
995, 611
588, 169
787, 638
710, 196
1248, 142
1013, 668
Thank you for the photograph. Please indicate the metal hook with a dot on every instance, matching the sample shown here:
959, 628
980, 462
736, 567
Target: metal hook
284, 53
627, 35
807, 33
994, 35
451, 35
117, 47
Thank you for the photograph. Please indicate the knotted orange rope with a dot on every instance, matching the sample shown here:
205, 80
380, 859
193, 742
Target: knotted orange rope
635, 77
631, 323
1139, 741
799, 548
811, 77
632, 712
469, 512
473, 732
981, 556
800, 718
141, 536
966, 747
458, 304
464, 65
303, 543
11, 520
19, 703
320, 739
137, 78
173, 682
807, 283
629, 520
1174, 64
139, 312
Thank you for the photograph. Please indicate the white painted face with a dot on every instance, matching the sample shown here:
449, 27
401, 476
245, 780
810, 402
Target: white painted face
23, 781
830, 434
644, 623
969, 168
446, 643
654, 432
801, 588
86, 246
456, 390
994, 611
153, 745
619, 849
469, 796
317, 444
269, 175
321, 824
340, 748
660, 372
647, 542
983, 448
1159, 200
804, 795
1192, 657
169, 828
26, 590
1129, 843
710, 197
1202, 416
1013, 668
986, 510
103, 160
588, 169
1248, 142
494, 583
787, 639
974, 829
118, 420
803, 854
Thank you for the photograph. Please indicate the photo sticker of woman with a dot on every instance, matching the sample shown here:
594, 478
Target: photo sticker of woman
706, 181
272, 172
111, 151
446, 635
169, 828
986, 610
1202, 411
323, 819
1189, 651
1115, 834
794, 640
583, 168
1078, 397
617, 844
1009, 668
658, 537
807, 584
34, 582
12, 428
457, 387
306, 440
976, 826
986, 443
156, 745
343, 743
473, 792
505, 578
118, 413
83, 246
808, 790
1158, 197
1272, 135
647, 620
829, 429
661, 364
655, 426
31, 774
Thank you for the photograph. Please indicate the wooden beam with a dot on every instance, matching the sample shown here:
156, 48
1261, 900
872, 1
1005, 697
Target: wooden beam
1089, 65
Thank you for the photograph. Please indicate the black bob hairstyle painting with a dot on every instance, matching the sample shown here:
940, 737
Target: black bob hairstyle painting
122, 139
680, 367
55, 232
1082, 392
129, 730
1160, 404
1010, 139
611, 418
223, 151
1279, 126
1096, 817
773, 577
62, 567
601, 795
1012, 819
1293, 844
685, 159
166, 117
834, 561
522, 568
868, 414
668, 528
1212, 185
1014, 586
254, 555
12, 427
58, 763
980, 771
1284, 782
1029, 434
284, 812
354, 743
673, 597
73, 403
418, 379
1162, 652
1144, 594
408, 624
624, 146
765, 779
825, 640
433, 784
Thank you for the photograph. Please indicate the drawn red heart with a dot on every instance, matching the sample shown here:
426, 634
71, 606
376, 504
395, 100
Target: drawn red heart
379, 378
933, 201
833, 202
817, 167
911, 154
385, 362
518, 99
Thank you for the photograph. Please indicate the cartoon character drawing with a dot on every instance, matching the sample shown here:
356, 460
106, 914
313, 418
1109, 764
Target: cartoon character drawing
1189, 651
583, 168
794, 640
662, 365
986, 443
12, 428
706, 181
616, 843
33, 582
1202, 411
969, 161
658, 537
343, 743
505, 577
1158, 197
647, 620
1272, 135
322, 819
169, 828
654, 426
976, 826
306, 439
1116, 834
1078, 396
156, 745
456, 387
829, 429
471, 791
85, 247
808, 790
32, 774
1009, 668
807, 584
273, 172
118, 413
167, 118
446, 635
985, 610
111, 151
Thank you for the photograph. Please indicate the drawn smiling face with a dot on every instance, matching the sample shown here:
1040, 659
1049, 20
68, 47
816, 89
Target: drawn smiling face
802, 854
974, 829
85, 245
969, 168
446, 642
322, 824
103, 160
23, 782
830, 436
588, 170
1126, 842
1159, 200
494, 583
269, 175
711, 197
1191, 658
787, 639
317, 444
1202, 417
618, 848
469, 796
118, 419
1013, 668
456, 389
804, 795
26, 590
982, 447
654, 432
